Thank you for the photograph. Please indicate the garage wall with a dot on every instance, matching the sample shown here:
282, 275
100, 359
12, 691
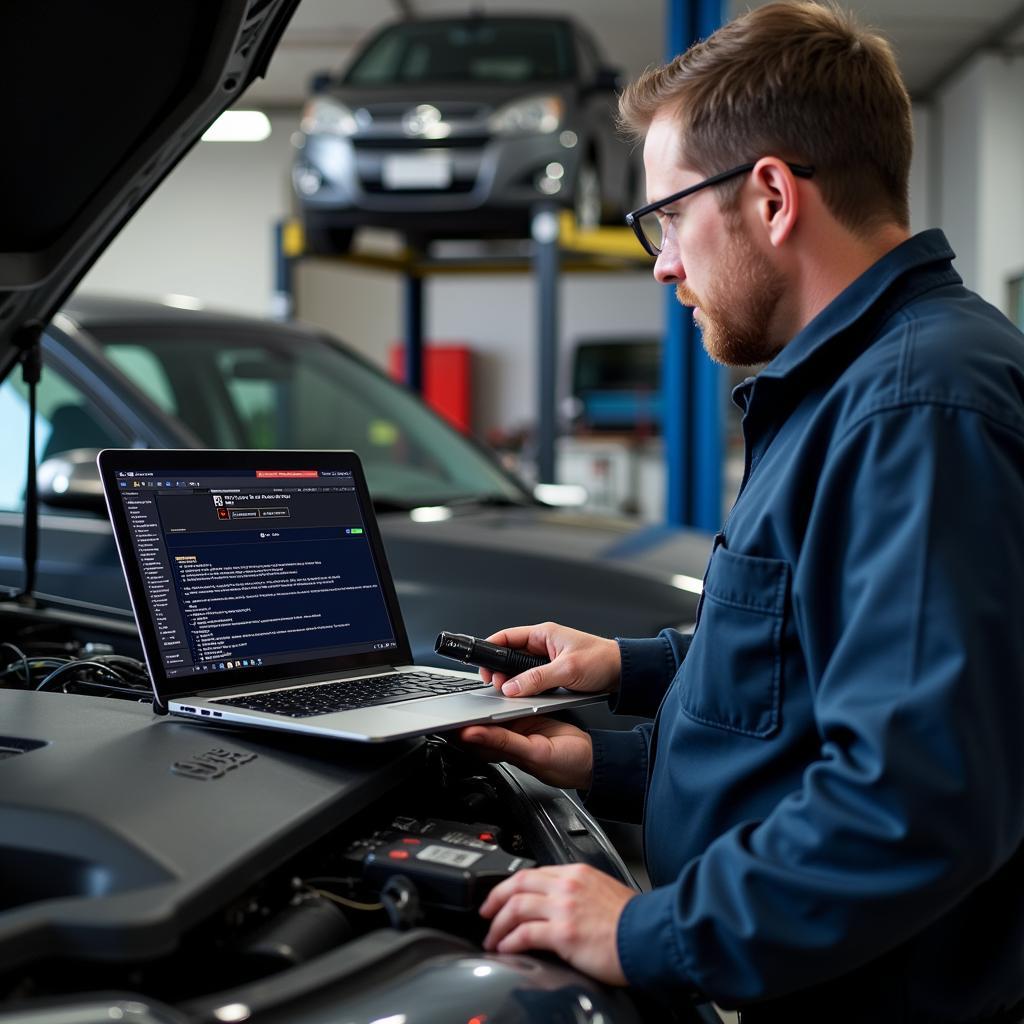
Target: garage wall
494, 314
208, 229
981, 141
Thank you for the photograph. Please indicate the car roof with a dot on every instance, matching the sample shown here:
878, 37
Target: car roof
91, 311
102, 101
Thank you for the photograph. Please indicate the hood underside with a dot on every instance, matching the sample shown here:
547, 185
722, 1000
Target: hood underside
102, 101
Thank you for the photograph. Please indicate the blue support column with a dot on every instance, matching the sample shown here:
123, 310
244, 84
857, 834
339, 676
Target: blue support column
692, 384
414, 332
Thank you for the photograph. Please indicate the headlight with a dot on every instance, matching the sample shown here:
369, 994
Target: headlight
536, 115
327, 117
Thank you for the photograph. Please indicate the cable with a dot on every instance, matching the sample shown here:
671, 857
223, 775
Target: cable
343, 901
33, 664
24, 661
75, 665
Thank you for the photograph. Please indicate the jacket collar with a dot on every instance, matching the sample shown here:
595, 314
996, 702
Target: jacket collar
923, 260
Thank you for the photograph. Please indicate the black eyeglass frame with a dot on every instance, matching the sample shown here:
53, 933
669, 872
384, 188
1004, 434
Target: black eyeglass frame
633, 219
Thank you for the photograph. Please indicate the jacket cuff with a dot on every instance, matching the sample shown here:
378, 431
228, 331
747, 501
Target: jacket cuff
648, 945
648, 667
620, 774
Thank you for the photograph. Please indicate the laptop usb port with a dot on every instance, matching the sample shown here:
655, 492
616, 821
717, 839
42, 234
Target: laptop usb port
203, 711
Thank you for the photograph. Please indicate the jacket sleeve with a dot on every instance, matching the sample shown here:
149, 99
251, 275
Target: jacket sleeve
908, 603
621, 757
648, 668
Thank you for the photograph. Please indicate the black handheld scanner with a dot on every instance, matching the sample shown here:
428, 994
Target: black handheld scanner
473, 651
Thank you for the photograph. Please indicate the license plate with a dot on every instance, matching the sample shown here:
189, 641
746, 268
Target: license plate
418, 170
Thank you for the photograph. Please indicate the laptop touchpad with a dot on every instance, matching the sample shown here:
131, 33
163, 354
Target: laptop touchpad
462, 705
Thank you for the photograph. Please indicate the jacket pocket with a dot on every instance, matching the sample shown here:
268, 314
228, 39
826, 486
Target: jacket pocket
732, 674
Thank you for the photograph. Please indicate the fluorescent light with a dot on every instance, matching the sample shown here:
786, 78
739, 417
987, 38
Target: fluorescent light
239, 126
690, 583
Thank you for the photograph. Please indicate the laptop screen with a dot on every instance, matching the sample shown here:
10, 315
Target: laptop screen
248, 572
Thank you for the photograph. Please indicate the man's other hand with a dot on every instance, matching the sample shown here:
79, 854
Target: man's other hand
570, 909
579, 661
554, 752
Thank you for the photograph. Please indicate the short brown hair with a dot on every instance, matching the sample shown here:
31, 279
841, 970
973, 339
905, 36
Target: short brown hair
797, 80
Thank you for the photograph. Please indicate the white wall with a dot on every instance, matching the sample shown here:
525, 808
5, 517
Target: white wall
207, 231
979, 176
922, 214
494, 314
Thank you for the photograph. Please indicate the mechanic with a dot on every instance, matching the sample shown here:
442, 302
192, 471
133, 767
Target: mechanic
832, 791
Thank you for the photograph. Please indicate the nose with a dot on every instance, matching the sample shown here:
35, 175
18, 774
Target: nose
668, 267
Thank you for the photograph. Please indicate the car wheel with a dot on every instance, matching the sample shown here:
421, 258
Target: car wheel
588, 204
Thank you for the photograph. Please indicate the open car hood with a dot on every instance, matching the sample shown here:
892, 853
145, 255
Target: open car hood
100, 102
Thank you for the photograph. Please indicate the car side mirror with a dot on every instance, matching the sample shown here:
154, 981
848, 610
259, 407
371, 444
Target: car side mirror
319, 82
71, 481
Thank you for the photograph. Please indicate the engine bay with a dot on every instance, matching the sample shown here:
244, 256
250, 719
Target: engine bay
195, 866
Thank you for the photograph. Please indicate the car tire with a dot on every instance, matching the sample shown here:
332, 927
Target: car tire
588, 202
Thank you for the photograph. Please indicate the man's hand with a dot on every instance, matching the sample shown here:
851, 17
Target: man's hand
554, 752
579, 661
571, 909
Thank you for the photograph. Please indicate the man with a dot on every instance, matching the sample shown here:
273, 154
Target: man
832, 791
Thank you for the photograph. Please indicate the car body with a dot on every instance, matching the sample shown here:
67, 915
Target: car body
456, 127
470, 547
157, 871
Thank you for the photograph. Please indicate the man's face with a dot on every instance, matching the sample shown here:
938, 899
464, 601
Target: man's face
710, 256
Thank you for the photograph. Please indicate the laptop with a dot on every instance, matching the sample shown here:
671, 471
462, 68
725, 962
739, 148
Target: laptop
263, 598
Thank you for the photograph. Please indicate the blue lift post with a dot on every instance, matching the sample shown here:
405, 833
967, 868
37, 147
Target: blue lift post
413, 287
692, 384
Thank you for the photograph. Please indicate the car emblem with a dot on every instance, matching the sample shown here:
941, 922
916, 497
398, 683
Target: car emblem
420, 120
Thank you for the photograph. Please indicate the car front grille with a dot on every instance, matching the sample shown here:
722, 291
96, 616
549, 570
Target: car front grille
455, 188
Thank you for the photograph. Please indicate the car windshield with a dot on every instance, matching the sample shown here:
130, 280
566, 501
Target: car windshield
297, 391
489, 50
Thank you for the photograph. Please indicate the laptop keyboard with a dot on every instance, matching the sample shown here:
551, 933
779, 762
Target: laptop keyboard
349, 694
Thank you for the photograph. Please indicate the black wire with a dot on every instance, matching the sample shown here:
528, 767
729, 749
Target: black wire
24, 661
72, 665
33, 664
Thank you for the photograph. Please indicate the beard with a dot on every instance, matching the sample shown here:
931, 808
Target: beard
734, 319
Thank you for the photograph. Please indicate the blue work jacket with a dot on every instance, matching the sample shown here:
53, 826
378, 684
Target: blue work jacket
833, 787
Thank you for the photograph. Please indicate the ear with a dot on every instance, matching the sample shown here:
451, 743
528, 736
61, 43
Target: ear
777, 199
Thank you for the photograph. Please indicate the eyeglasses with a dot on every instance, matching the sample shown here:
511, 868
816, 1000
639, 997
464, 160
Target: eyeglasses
648, 226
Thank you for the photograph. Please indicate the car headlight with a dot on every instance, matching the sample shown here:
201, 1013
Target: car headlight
324, 116
536, 115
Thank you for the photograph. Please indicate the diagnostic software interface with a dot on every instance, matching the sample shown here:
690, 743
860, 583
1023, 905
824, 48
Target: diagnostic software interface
254, 568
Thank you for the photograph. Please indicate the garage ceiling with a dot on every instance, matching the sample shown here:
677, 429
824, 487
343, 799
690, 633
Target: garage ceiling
931, 37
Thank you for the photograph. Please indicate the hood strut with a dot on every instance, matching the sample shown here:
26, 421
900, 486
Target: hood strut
27, 341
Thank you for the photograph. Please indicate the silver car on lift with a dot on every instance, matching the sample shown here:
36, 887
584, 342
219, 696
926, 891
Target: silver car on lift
448, 127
